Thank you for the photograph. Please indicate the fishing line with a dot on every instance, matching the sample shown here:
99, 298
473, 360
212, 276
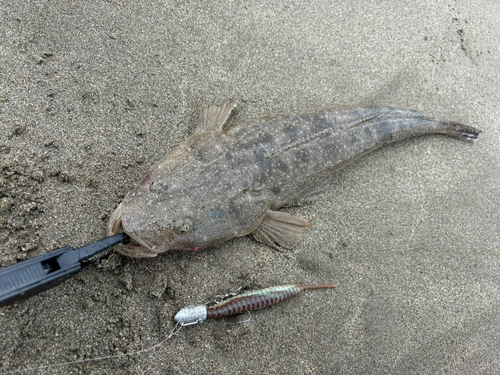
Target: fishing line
174, 331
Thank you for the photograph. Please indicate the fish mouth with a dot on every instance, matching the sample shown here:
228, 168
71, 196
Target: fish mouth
129, 247
134, 249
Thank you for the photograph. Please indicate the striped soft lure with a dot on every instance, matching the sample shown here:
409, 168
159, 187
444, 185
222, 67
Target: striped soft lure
249, 301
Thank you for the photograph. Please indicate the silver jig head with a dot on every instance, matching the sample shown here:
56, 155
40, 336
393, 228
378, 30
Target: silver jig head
191, 315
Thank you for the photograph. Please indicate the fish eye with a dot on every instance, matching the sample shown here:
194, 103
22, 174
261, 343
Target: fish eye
183, 227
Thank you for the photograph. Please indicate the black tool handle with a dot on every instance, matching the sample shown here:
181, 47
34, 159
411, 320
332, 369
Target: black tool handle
43, 272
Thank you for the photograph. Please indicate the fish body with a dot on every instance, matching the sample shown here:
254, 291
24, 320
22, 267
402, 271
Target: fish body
223, 184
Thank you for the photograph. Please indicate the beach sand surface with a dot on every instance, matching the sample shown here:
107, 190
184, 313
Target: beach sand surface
93, 93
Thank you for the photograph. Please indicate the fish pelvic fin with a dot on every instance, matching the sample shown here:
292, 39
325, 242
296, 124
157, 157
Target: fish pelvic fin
280, 230
213, 118
310, 194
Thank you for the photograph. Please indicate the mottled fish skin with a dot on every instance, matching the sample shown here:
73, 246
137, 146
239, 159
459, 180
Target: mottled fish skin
222, 184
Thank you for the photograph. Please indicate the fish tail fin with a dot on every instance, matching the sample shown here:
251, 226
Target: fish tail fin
411, 123
459, 131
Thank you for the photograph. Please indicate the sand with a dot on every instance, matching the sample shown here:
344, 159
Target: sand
93, 93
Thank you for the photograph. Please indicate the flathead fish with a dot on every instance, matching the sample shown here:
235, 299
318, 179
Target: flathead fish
223, 184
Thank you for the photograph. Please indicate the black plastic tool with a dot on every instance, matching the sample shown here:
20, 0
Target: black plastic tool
43, 272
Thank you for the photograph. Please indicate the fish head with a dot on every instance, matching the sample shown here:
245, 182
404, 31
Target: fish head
177, 206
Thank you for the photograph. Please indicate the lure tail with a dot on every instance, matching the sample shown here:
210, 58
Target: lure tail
310, 287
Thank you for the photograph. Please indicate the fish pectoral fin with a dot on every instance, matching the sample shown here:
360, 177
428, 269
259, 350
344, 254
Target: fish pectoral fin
213, 118
280, 230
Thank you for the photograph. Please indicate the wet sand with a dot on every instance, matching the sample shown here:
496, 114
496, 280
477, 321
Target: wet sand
92, 94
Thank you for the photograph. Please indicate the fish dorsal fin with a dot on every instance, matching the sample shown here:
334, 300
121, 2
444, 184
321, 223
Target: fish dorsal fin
213, 117
280, 230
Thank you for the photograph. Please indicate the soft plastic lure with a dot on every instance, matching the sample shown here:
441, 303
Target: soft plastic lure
249, 301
